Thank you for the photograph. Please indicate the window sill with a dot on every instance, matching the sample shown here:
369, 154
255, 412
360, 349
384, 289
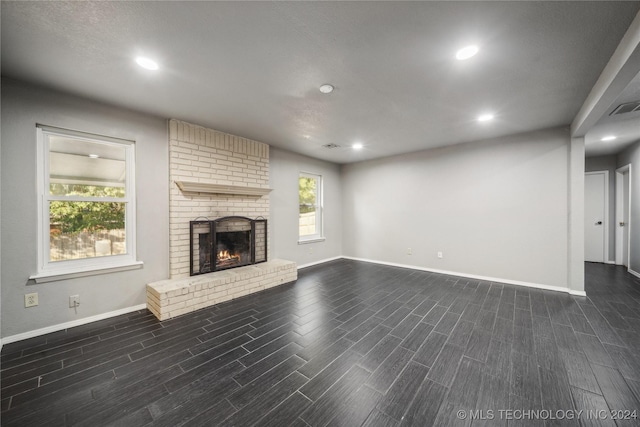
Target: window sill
52, 276
313, 240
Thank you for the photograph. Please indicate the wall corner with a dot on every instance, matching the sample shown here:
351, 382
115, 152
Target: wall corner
575, 220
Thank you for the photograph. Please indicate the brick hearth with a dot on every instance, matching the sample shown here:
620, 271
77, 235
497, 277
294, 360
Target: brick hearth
174, 297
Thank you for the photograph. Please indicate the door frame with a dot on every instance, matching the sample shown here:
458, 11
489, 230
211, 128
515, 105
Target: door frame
620, 214
606, 212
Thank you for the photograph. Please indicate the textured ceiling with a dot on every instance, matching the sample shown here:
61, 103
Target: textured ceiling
253, 68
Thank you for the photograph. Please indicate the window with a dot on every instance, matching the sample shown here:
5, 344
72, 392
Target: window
87, 203
310, 212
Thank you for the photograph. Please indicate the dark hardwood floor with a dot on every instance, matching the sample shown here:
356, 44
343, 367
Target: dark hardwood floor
348, 344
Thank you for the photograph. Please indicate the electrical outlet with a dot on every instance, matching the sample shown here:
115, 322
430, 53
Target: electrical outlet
310, 249
409, 251
74, 301
31, 300
439, 254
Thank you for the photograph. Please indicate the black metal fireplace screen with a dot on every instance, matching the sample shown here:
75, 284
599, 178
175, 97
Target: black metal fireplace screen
228, 242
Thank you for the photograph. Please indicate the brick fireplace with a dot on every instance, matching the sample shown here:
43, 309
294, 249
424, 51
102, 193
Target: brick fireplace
198, 155
213, 175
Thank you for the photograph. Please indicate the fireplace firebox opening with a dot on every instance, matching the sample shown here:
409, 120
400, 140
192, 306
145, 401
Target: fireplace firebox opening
228, 242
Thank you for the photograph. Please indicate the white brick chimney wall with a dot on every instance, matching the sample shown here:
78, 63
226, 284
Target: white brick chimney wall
198, 154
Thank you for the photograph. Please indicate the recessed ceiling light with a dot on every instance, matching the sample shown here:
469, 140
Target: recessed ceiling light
93, 156
357, 146
326, 88
306, 136
147, 63
608, 138
485, 117
466, 52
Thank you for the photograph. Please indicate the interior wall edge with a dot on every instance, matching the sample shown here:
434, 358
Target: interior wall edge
322, 261
62, 326
474, 276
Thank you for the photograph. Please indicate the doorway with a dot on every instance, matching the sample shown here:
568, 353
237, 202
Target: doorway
623, 227
596, 216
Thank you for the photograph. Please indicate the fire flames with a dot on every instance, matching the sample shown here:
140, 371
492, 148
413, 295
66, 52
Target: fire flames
227, 256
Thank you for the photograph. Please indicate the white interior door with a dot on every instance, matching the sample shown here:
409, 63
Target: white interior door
625, 219
623, 227
594, 216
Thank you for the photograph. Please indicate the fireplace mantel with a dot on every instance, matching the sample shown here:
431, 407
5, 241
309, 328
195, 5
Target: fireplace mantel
203, 187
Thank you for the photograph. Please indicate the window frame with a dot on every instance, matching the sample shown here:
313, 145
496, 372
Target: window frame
48, 270
319, 235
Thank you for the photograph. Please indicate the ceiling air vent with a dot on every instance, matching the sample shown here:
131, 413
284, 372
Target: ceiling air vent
331, 146
626, 108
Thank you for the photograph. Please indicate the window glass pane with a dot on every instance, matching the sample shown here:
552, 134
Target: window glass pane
307, 226
308, 193
85, 190
86, 168
86, 229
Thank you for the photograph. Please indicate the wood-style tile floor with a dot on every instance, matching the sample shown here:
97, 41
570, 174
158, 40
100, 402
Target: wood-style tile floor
348, 344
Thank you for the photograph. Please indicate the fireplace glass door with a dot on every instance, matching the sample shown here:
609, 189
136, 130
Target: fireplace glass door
227, 242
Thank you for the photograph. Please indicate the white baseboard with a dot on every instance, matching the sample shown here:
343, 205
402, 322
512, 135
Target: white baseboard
610, 262
67, 325
310, 264
635, 273
578, 293
475, 276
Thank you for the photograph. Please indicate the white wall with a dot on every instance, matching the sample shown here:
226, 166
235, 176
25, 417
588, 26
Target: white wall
285, 168
631, 155
495, 208
22, 107
607, 163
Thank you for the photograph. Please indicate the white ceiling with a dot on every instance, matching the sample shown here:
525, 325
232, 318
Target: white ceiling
253, 68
